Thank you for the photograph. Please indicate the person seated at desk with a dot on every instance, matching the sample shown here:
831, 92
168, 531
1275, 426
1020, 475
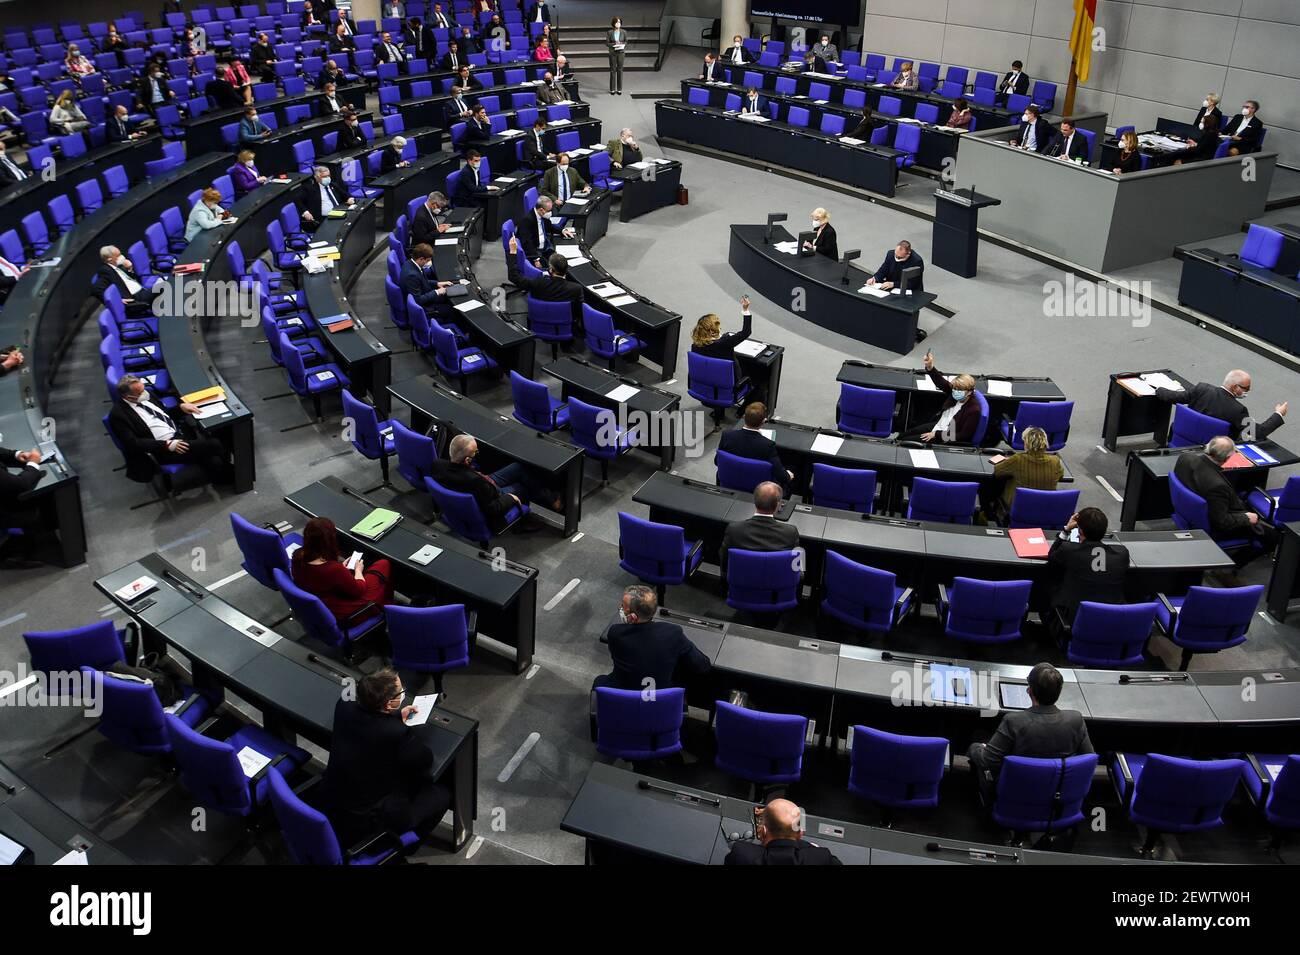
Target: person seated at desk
473, 189
430, 220
18, 552
624, 151
550, 92
1090, 568
542, 53
748, 441
352, 136
562, 181
352, 594
823, 240
1041, 732
1014, 81
145, 429
961, 116
1244, 130
458, 109
1130, 158
711, 71
419, 281
707, 339
238, 78
898, 260
1224, 402
453, 59
812, 63
825, 49
392, 157
497, 493
736, 54
386, 51
331, 74
906, 78
553, 285
1068, 143
67, 116
10, 171
466, 81
762, 532
251, 128
649, 653
9, 276
1201, 472
867, 125
262, 58
245, 177
753, 104
117, 128
342, 42
537, 231
330, 103
959, 415
478, 128
534, 152
1035, 132
206, 214
320, 200
116, 269
222, 94
564, 72
378, 776
1035, 468
468, 42
1209, 107
1201, 147
779, 832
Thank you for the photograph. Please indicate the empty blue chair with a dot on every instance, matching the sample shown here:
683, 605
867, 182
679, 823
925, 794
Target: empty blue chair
453, 361
944, 502
832, 125
461, 513
1109, 635
868, 411
1017, 102
1042, 795
534, 405
415, 454
61, 214
603, 339
551, 322
96, 645
897, 772
798, 116
763, 582
210, 769
740, 474
849, 489
657, 554
89, 196
697, 96
133, 717
36, 232
264, 549
320, 623
890, 106
631, 727
372, 437
712, 381
927, 113
311, 839
765, 749
908, 139
1052, 416
596, 431
1278, 505
1045, 509
1273, 783
311, 383
984, 95
1208, 619
1172, 794
1044, 94
862, 596
983, 611
950, 90
430, 640
1262, 246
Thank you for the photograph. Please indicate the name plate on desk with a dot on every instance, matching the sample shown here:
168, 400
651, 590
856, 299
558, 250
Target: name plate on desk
952, 197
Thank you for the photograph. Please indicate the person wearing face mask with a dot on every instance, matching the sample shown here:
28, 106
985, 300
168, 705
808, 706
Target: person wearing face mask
823, 241
1035, 132
245, 175
66, 116
251, 128
1224, 402
206, 214
535, 155
466, 81
825, 49
330, 104
736, 54
430, 220
392, 157
649, 653
351, 136
262, 58
148, 433
959, 415
458, 109
153, 90
753, 104
553, 285
562, 181
1245, 130
76, 62
1014, 81
900, 257
117, 128
616, 45
467, 42
537, 232
906, 78
1203, 145
475, 183
1130, 157
320, 199
330, 74
419, 280
866, 126
497, 494
550, 92
625, 150
118, 271
1209, 107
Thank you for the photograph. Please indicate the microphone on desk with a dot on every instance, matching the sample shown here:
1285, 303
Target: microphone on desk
183, 584
314, 658
351, 493
1155, 678
646, 785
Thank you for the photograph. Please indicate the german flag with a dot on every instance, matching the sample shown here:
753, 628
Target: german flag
1085, 18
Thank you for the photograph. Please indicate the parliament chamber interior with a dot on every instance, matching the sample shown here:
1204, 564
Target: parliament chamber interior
614, 432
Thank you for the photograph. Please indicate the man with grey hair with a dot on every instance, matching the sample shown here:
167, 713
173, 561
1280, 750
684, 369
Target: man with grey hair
1201, 472
762, 532
1224, 402
649, 654
148, 434
503, 495
430, 220
117, 270
321, 199
536, 233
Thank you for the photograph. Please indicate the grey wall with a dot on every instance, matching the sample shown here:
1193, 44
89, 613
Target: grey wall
1161, 57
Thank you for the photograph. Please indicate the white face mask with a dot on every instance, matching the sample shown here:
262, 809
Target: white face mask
1205, 103
1245, 111
1026, 118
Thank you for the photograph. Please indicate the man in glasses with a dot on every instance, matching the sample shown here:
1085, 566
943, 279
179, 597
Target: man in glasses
1224, 402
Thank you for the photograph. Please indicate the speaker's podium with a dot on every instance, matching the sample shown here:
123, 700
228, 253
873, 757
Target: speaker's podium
955, 244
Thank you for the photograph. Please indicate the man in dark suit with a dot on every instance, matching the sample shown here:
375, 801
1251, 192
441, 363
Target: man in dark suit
899, 258
1068, 143
1201, 471
11, 172
418, 40
1224, 402
144, 429
535, 155
386, 51
779, 832
454, 58
762, 532
342, 42
649, 654
474, 185
419, 281
319, 199
378, 776
331, 74
439, 19
536, 232
430, 220
309, 17
748, 441
468, 43
20, 549
458, 108
1090, 568
117, 270
496, 493
539, 12
1015, 80
466, 81
117, 128
1040, 732
1245, 130
262, 58
553, 285
1035, 132
351, 136
711, 71
736, 54
753, 103
478, 128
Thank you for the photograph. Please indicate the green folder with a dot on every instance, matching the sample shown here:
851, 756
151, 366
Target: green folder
376, 524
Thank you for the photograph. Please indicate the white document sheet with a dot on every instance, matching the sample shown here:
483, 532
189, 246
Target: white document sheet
827, 444
923, 458
622, 393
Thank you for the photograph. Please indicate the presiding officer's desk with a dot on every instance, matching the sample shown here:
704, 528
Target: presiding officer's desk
795, 147
503, 593
1095, 219
1131, 411
365, 359
294, 689
888, 322
32, 820
501, 440
203, 132
920, 401
1146, 484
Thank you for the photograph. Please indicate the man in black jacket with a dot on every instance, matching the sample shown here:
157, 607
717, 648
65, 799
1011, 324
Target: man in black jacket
1090, 568
1201, 471
261, 58
1015, 80
890, 273
475, 183
392, 157
780, 833
1068, 143
419, 281
536, 232
331, 74
748, 441
1035, 132
497, 493
319, 198
458, 108
16, 513
535, 154
465, 80
11, 172
1224, 402
1040, 732
553, 285
117, 270
351, 136
144, 428
478, 128
117, 128
1244, 130
454, 58
378, 776
430, 220
762, 532
649, 654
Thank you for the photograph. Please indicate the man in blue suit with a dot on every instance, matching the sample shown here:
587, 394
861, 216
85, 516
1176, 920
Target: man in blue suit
419, 280
251, 128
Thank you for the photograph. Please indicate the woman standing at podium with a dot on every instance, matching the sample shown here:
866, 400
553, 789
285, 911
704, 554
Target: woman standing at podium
318, 568
823, 240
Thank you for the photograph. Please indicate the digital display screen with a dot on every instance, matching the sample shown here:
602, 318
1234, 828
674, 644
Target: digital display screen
836, 12
1014, 696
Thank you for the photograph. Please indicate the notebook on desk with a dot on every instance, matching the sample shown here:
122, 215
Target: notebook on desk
376, 524
337, 323
1029, 541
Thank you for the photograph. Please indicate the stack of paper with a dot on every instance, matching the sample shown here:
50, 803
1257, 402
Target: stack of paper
874, 291
214, 410
851, 141
789, 248
1158, 379
577, 201
1138, 387
750, 348
468, 305
923, 383
607, 290
569, 251
999, 389
755, 117
623, 300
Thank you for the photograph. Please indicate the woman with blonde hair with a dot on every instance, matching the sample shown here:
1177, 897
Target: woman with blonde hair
67, 116
1035, 467
959, 416
823, 240
1209, 107
1130, 160
708, 339
206, 214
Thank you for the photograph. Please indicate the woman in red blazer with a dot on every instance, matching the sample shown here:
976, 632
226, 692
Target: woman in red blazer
318, 569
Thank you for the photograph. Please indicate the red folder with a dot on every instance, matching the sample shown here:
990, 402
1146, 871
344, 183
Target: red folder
1030, 541
1238, 460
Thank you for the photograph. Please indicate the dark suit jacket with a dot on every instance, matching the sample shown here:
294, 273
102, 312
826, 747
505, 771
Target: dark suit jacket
826, 243
548, 288
351, 137
657, 650
311, 198
13, 484
381, 53
345, 44
1078, 146
532, 13
534, 155
759, 107
731, 51
136, 439
780, 852
1203, 112
1022, 83
1206, 145
389, 160
527, 232
117, 130
7, 178
750, 444
468, 43
1042, 131
1080, 578
260, 58
424, 227
463, 479
1227, 511
717, 74
423, 287
758, 533
1250, 136
1214, 401
447, 63
1040, 732
337, 77
453, 111
467, 194
145, 90
967, 419
105, 276
865, 128
891, 270
477, 132
725, 346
